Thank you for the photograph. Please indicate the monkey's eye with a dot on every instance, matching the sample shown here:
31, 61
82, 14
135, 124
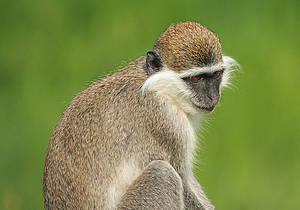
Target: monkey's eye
216, 74
196, 78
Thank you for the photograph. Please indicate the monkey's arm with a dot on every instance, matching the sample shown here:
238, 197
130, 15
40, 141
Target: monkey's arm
194, 197
158, 187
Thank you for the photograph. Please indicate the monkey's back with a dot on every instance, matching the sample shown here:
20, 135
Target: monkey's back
96, 132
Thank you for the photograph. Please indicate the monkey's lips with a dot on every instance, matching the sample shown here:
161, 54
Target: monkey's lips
207, 109
204, 109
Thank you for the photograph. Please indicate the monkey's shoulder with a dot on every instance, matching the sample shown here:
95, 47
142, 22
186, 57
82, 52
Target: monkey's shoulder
133, 73
114, 89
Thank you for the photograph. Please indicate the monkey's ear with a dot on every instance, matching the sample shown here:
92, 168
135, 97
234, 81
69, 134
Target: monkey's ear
153, 62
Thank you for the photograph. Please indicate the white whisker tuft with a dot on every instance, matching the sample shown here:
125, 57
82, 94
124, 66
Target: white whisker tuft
230, 65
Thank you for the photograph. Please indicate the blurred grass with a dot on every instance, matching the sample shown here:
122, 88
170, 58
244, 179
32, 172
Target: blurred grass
51, 50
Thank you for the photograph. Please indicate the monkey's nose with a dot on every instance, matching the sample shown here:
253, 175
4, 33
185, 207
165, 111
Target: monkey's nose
210, 97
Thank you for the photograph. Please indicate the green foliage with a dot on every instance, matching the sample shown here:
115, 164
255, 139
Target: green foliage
51, 50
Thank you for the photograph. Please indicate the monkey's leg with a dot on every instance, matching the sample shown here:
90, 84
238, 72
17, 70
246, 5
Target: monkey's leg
191, 201
199, 195
158, 187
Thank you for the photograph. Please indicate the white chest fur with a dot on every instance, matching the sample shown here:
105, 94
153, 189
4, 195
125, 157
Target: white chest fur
126, 173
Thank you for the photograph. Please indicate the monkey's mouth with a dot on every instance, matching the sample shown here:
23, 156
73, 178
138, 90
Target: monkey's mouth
204, 109
209, 109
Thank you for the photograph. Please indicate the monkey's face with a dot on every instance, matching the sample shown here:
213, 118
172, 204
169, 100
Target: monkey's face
205, 88
205, 83
188, 67
194, 90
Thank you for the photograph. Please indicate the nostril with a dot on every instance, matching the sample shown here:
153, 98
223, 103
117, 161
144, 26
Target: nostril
210, 97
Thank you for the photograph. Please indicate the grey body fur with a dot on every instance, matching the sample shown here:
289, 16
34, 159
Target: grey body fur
127, 141
93, 138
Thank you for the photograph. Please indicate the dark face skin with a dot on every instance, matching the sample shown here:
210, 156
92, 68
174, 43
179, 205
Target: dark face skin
206, 88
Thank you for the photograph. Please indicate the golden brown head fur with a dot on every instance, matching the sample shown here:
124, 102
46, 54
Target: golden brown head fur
186, 45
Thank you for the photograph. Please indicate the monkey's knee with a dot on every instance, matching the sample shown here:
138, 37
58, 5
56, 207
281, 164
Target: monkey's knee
167, 182
158, 187
162, 171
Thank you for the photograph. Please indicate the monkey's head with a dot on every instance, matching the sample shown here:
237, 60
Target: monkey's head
187, 66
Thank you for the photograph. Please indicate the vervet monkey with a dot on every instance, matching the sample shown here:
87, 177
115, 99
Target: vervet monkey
127, 141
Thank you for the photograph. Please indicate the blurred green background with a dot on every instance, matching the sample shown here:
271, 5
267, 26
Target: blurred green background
250, 147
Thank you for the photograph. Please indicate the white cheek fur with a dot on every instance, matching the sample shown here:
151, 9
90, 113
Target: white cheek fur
169, 84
